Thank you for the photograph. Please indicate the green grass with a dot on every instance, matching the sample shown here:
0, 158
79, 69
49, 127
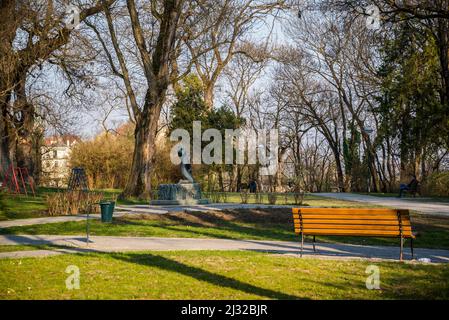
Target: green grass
216, 275
261, 224
21, 207
14, 248
382, 194
316, 201
288, 199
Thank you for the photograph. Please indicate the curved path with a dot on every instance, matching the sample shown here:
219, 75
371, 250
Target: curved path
77, 244
423, 205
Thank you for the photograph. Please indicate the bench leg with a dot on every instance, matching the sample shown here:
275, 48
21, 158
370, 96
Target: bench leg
411, 246
314, 244
401, 250
302, 243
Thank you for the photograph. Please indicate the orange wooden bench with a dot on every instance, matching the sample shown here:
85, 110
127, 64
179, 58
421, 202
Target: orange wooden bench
358, 222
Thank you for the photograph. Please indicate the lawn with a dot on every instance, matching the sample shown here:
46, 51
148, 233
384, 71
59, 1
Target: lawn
216, 275
14, 248
21, 207
260, 224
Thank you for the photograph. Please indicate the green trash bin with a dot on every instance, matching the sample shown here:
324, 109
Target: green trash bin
111, 210
105, 209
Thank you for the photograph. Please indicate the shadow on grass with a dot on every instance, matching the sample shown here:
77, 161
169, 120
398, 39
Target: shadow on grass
200, 274
221, 225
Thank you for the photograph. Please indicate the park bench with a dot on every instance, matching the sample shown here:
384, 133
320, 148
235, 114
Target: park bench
358, 222
413, 189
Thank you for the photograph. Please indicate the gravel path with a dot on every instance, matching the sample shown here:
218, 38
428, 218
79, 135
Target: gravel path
77, 244
422, 205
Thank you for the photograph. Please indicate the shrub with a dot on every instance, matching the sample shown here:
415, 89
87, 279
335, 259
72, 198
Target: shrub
73, 203
245, 196
258, 197
215, 197
106, 159
224, 196
437, 184
299, 197
272, 198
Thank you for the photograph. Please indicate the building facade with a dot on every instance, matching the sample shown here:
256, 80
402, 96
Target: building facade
55, 160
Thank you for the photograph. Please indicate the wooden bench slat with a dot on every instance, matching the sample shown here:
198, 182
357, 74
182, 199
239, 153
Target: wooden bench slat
353, 221
349, 217
353, 227
379, 233
346, 211
341, 216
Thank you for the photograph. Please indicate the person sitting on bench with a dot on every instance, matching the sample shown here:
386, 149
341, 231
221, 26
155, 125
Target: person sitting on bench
412, 186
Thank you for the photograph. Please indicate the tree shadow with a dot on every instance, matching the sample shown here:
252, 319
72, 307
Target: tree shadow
151, 260
256, 232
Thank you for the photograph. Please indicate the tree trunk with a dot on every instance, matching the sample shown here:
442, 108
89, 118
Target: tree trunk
139, 182
5, 138
239, 178
27, 144
209, 95
443, 51
6, 128
340, 175
220, 179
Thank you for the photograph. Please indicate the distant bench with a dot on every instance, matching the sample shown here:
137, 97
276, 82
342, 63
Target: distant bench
389, 223
413, 189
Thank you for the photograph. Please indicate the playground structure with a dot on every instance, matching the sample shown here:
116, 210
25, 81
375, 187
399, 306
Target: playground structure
78, 180
17, 181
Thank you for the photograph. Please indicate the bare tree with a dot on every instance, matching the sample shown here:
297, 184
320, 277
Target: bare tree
149, 47
30, 32
220, 35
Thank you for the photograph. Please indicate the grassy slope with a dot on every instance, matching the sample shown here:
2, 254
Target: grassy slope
21, 207
13, 248
263, 224
216, 275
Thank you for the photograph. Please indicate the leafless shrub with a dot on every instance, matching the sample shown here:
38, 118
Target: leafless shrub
73, 203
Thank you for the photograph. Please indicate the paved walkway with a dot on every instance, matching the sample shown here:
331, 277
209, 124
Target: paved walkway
33, 221
77, 244
423, 205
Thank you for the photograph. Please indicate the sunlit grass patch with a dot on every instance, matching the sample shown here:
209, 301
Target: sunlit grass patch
216, 275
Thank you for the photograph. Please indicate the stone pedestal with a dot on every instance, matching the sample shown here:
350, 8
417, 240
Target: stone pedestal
182, 193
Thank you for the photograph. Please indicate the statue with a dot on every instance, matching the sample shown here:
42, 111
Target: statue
186, 191
186, 167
